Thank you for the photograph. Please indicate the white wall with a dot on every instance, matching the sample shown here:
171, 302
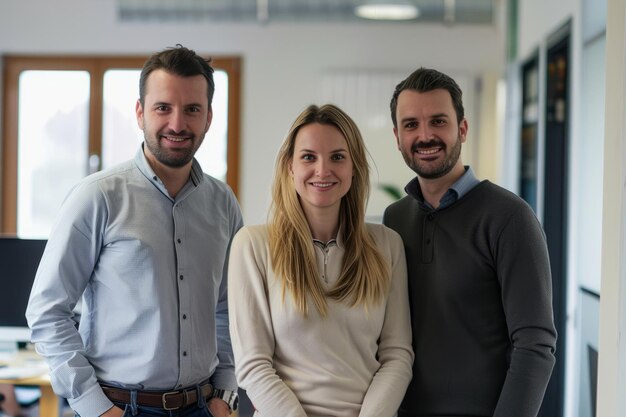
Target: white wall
283, 64
539, 18
612, 364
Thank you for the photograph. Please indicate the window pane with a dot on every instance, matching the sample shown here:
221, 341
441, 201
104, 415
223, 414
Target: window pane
52, 144
121, 136
212, 154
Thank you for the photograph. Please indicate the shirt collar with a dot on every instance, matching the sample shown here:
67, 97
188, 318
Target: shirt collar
337, 241
457, 190
196, 175
143, 164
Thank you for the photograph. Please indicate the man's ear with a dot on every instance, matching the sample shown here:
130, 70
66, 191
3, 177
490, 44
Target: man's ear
209, 119
139, 114
395, 133
463, 127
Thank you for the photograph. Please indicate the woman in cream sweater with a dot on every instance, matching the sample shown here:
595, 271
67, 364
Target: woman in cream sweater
319, 314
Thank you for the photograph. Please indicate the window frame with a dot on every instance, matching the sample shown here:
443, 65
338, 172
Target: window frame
14, 65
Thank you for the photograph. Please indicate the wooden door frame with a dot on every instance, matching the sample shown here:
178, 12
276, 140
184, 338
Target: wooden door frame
14, 65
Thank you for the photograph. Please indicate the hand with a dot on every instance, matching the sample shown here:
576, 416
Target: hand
219, 407
113, 412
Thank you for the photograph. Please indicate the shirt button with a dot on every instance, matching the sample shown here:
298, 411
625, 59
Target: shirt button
178, 240
185, 353
184, 316
180, 277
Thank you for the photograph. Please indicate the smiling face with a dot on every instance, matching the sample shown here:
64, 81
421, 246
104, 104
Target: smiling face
428, 133
174, 118
321, 168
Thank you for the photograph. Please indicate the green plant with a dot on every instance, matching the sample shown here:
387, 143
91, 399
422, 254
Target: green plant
391, 190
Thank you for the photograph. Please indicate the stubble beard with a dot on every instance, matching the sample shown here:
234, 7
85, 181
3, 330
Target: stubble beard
424, 171
173, 159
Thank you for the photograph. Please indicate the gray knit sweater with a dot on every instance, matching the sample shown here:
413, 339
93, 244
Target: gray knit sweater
481, 305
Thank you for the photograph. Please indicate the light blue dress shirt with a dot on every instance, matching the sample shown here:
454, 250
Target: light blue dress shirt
152, 273
457, 190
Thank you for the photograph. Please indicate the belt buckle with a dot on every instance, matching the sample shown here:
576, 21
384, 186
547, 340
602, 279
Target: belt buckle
164, 400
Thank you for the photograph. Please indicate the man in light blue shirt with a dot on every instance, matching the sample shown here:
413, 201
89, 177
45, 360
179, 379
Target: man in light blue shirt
145, 244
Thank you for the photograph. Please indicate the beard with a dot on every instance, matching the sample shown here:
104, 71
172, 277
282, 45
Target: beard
174, 158
425, 169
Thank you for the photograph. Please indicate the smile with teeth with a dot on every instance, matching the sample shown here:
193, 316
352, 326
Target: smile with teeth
174, 138
428, 151
322, 184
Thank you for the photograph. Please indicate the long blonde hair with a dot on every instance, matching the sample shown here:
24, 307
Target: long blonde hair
365, 276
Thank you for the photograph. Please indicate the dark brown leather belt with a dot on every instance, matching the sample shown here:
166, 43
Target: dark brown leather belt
167, 400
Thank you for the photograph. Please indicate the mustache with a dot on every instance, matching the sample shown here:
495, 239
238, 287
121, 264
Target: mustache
424, 145
173, 133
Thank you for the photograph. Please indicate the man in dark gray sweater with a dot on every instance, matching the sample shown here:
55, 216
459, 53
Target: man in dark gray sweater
479, 273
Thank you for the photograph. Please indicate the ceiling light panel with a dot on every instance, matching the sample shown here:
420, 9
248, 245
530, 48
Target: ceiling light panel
431, 11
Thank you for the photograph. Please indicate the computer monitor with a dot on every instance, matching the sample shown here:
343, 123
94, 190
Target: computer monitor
19, 259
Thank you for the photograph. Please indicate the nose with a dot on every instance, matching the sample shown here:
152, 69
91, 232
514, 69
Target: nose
425, 131
177, 120
322, 169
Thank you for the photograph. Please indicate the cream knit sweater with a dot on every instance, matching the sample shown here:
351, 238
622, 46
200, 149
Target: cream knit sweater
354, 362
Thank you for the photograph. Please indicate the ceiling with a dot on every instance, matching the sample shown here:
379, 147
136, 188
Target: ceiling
478, 12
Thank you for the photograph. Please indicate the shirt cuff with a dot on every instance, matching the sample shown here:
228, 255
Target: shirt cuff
92, 403
224, 379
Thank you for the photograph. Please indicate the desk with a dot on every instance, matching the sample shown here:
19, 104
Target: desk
48, 402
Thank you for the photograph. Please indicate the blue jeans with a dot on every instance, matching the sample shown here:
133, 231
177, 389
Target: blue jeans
191, 411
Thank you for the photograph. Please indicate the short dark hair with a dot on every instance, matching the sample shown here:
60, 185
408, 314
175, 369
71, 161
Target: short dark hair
423, 80
179, 61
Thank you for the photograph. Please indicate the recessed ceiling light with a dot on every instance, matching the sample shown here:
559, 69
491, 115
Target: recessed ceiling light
387, 11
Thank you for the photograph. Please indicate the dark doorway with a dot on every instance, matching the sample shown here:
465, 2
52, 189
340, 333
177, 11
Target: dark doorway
555, 197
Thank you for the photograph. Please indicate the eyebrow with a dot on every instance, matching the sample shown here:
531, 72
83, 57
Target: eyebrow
333, 151
166, 103
432, 116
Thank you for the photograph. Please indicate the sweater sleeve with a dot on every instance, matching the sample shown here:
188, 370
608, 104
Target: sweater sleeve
395, 353
252, 331
524, 272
